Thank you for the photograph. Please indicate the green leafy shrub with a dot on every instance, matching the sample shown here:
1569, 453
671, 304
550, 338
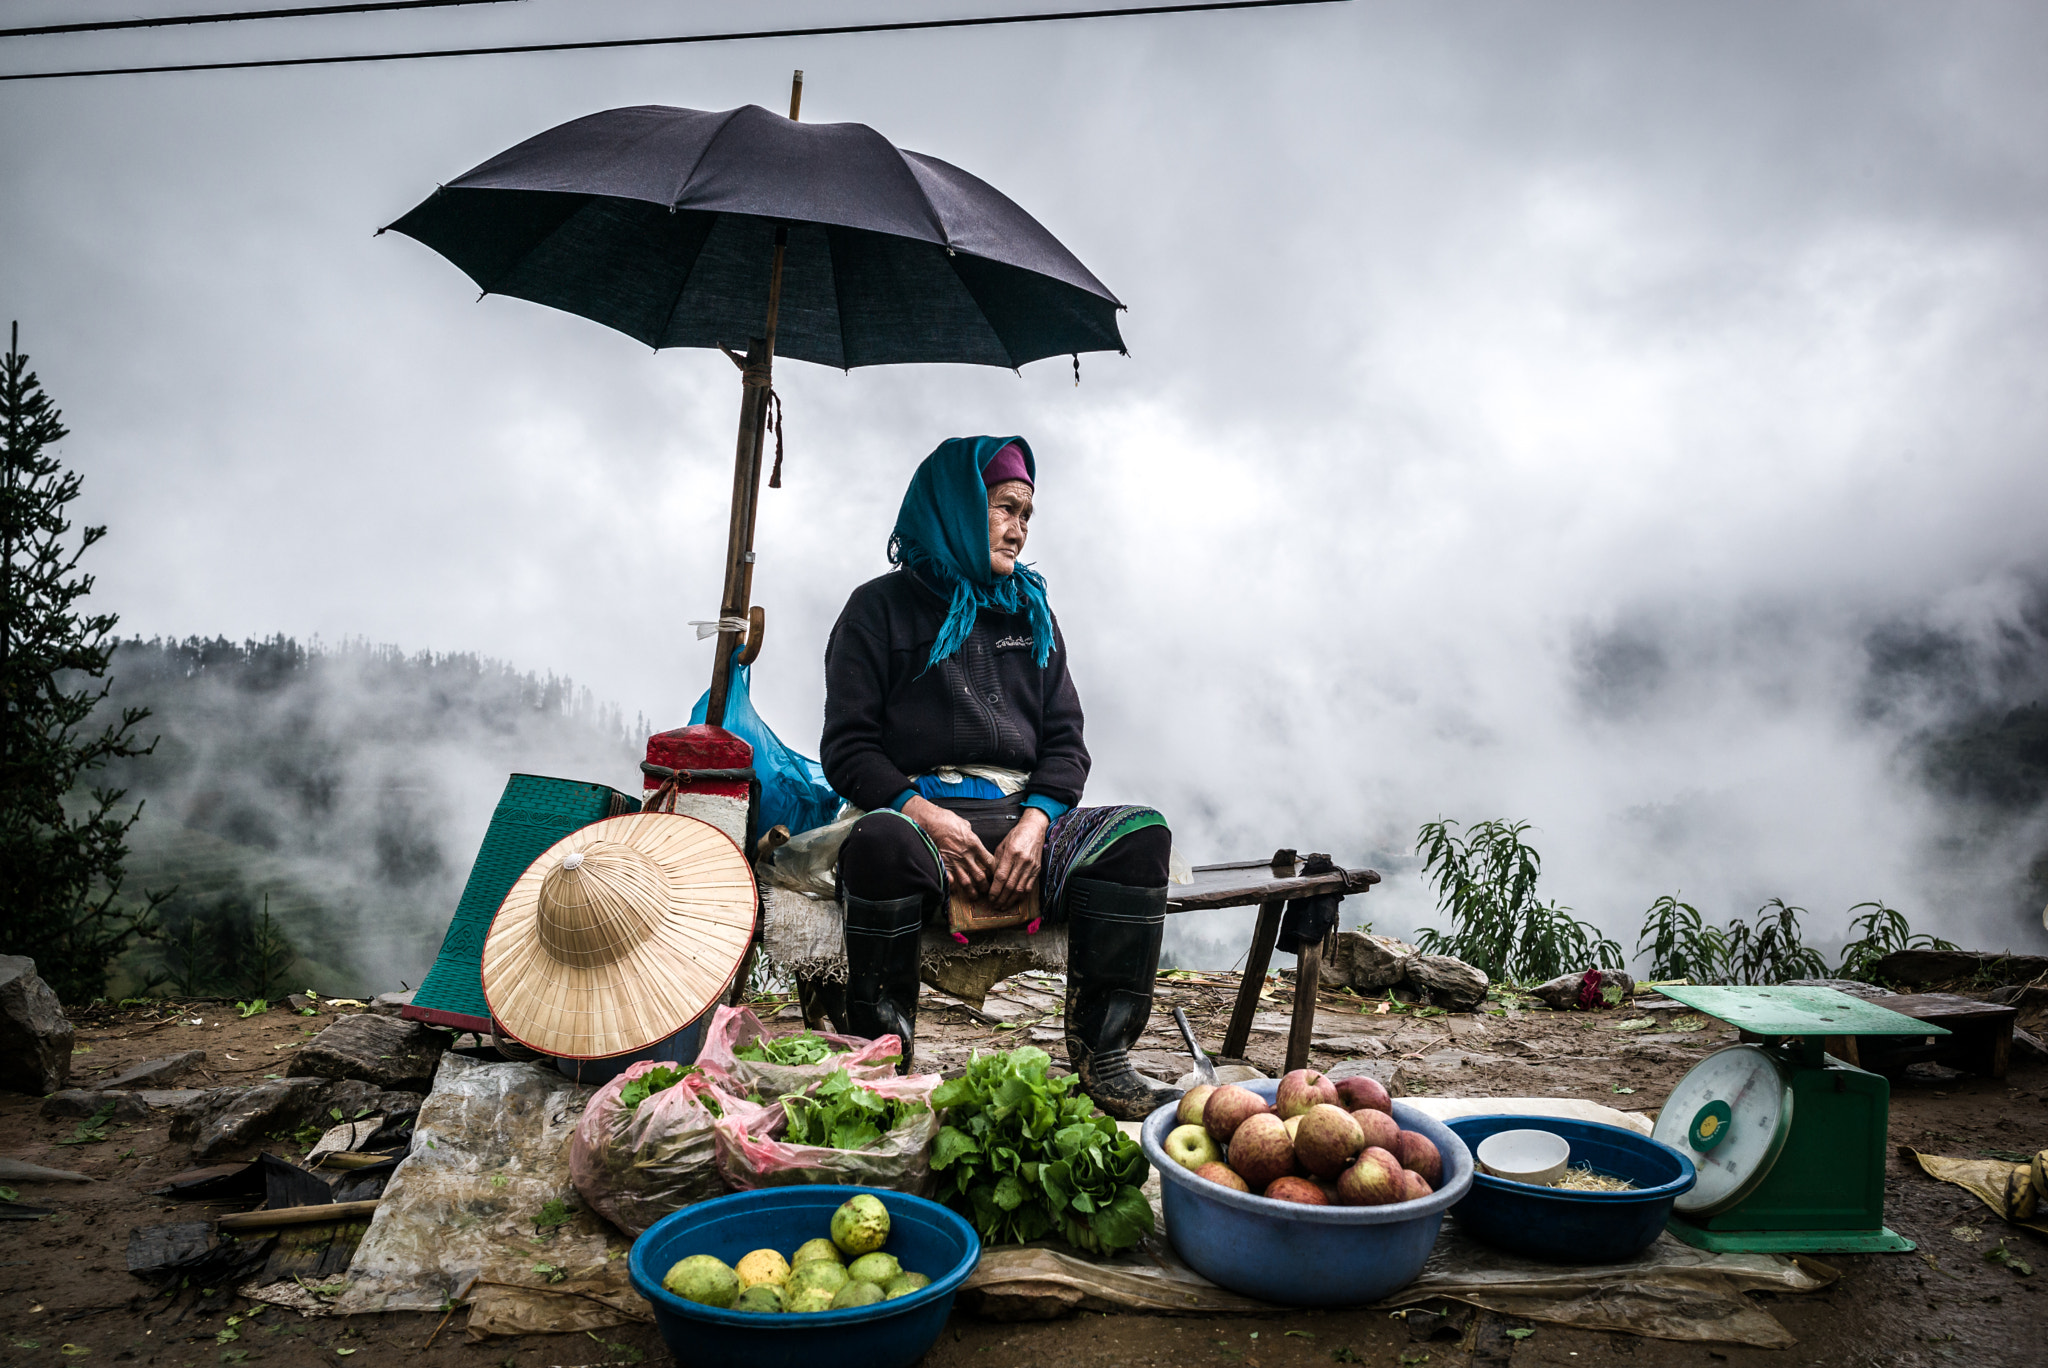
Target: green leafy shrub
1486, 882
1885, 931
1680, 943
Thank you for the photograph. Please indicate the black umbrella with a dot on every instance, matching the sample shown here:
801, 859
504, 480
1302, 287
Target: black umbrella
685, 228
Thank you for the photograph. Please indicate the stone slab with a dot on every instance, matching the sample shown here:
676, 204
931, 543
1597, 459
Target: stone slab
35, 1036
385, 1051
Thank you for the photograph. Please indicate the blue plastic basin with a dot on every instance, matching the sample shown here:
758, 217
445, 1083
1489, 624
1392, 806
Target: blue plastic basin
1558, 1225
924, 1236
1303, 1255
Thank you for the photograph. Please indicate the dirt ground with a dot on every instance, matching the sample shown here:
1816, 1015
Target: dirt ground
66, 1297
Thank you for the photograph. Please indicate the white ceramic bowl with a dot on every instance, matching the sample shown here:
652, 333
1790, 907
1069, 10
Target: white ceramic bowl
1524, 1156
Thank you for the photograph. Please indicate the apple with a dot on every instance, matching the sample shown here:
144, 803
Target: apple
1300, 1090
1293, 1124
1354, 1094
1224, 1175
1295, 1190
1379, 1127
1261, 1151
1328, 1140
1417, 1152
1414, 1185
1384, 1159
1192, 1101
1227, 1109
1367, 1183
1191, 1147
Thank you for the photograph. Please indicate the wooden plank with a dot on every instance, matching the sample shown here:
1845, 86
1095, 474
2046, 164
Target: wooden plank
302, 1215
1946, 1008
1244, 890
1308, 973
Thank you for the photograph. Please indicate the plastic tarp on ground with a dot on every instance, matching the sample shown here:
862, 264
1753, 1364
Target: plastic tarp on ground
467, 1217
1672, 1291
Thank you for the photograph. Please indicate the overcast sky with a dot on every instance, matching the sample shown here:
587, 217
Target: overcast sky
1531, 409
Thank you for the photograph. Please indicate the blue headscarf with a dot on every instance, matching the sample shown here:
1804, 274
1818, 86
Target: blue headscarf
942, 534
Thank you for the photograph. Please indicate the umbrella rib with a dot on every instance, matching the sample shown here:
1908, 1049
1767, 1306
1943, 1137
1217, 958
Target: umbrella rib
952, 260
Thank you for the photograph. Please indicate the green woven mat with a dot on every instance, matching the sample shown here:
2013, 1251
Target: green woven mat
533, 814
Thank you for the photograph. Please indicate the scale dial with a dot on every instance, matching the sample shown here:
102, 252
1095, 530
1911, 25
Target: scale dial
1730, 1116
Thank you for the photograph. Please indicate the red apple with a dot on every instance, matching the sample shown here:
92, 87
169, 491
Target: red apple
1329, 1139
1380, 1128
1367, 1183
1300, 1090
1414, 1185
1295, 1190
1418, 1152
1261, 1151
1354, 1094
1227, 1109
1224, 1175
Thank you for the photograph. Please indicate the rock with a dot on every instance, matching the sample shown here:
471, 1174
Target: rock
1365, 961
83, 1102
1920, 968
1386, 1071
375, 1049
156, 1072
390, 1004
299, 1002
35, 1036
1446, 981
1567, 992
222, 1119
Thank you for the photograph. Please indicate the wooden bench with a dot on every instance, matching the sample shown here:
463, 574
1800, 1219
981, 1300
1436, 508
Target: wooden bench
1266, 884
1979, 1038
1269, 884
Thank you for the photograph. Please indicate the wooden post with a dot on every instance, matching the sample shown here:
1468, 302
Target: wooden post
1308, 973
1264, 933
757, 376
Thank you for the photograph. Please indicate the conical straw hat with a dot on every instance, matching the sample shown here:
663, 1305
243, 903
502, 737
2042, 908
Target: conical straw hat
619, 935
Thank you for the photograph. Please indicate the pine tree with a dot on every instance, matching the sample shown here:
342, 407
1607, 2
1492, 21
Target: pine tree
61, 845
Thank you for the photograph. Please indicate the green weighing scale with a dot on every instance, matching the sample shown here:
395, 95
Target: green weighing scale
1789, 1141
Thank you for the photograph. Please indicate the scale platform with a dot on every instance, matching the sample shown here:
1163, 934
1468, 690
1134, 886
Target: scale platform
1788, 1141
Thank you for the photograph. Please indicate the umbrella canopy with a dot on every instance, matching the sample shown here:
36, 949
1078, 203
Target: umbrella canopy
663, 223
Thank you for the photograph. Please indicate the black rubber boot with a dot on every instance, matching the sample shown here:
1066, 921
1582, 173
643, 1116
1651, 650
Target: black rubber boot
1113, 937
881, 967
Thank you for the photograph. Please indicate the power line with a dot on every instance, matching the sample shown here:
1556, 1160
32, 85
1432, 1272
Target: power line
823, 31
237, 16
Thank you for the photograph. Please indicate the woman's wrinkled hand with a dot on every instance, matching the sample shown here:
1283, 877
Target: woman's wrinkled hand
1019, 860
967, 860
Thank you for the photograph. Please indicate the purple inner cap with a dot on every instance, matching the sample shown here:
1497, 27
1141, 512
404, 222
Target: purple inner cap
1007, 464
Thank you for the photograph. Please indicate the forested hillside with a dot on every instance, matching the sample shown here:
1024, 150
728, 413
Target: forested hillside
344, 789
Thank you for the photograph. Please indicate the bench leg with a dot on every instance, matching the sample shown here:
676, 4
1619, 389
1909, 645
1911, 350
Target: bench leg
1308, 975
1256, 959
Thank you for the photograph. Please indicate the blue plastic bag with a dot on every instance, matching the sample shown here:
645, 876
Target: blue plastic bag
793, 788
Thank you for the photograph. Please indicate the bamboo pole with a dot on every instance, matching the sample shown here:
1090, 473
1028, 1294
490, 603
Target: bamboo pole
756, 379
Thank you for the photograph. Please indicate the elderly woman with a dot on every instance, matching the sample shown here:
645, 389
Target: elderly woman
951, 718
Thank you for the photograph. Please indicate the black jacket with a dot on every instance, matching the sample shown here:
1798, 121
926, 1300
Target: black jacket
887, 717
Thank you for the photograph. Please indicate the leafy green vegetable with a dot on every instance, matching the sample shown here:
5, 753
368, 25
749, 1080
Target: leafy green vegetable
796, 1049
1024, 1155
840, 1114
657, 1079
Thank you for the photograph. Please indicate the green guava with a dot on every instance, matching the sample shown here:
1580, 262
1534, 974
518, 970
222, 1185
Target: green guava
903, 1284
762, 1297
822, 1273
704, 1280
815, 1249
861, 1225
876, 1268
856, 1294
807, 1300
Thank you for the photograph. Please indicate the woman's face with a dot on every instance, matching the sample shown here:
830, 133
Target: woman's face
1009, 523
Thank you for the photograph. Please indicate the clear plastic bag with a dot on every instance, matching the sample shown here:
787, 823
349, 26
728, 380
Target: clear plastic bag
752, 1153
734, 1028
636, 1165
